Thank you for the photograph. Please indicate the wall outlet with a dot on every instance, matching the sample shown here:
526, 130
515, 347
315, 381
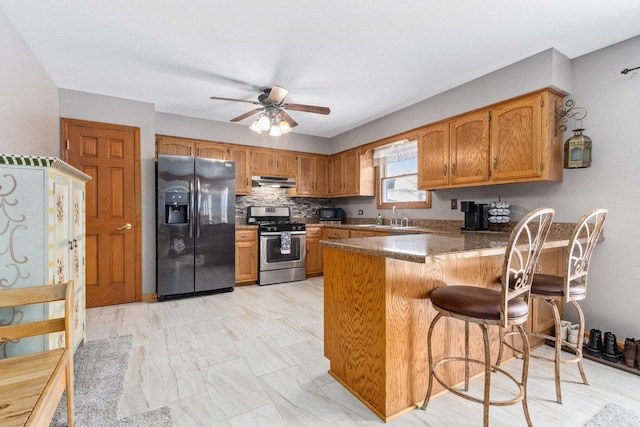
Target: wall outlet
360, 212
454, 204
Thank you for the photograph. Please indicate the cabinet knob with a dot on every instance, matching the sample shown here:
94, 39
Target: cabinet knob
127, 226
495, 162
444, 170
453, 169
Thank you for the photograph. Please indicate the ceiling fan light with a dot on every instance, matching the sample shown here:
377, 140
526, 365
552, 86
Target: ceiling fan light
254, 127
275, 130
284, 127
264, 123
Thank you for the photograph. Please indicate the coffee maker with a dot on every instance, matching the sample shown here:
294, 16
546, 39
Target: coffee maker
476, 216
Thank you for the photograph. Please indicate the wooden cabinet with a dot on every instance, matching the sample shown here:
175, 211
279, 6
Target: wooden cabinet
269, 162
241, 155
513, 141
246, 256
174, 146
314, 251
367, 233
352, 174
210, 150
42, 240
336, 233
312, 178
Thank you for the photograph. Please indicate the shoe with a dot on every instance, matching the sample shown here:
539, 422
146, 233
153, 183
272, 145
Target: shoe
572, 334
629, 353
564, 328
594, 348
612, 352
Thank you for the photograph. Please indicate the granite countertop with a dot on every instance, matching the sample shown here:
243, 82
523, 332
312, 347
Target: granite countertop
428, 246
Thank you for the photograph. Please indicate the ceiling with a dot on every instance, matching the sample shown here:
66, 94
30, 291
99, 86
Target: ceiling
364, 59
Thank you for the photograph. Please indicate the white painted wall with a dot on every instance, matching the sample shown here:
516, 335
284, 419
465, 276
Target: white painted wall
29, 120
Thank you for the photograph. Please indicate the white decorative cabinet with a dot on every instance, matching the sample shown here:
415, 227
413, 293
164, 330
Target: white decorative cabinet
42, 240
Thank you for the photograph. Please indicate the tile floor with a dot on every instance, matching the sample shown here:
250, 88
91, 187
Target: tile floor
254, 357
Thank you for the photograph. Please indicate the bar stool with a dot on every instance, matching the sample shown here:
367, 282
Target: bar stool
505, 307
571, 287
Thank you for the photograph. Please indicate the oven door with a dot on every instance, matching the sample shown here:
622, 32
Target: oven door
271, 256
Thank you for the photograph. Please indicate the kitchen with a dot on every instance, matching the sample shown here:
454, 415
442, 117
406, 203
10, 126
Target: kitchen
609, 97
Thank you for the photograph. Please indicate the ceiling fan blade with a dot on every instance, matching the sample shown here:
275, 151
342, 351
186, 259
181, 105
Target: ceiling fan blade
247, 114
277, 94
307, 108
233, 99
289, 119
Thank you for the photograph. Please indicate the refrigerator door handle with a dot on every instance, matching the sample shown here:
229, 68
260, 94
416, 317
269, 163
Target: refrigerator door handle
191, 209
197, 207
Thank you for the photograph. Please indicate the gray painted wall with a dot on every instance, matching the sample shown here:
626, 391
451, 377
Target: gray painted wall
29, 113
29, 119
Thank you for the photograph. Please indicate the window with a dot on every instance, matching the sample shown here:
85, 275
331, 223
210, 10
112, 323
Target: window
397, 172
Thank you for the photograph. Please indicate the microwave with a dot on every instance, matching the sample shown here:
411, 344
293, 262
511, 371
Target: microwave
330, 214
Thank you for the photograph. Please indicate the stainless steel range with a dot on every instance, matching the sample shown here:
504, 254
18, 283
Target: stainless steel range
282, 245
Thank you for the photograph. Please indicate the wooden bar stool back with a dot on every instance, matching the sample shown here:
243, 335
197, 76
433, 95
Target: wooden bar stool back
506, 306
571, 287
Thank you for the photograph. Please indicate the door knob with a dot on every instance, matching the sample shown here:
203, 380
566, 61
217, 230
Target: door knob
127, 226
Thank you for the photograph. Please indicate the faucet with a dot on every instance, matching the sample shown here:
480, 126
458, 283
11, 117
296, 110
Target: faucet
395, 216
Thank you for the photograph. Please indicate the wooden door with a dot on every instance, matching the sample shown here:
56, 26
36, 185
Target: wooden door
110, 155
174, 146
240, 155
262, 161
335, 176
211, 150
287, 164
516, 137
351, 173
304, 180
246, 257
470, 148
433, 157
321, 176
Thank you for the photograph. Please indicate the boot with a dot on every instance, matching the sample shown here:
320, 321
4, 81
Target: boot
595, 343
572, 334
630, 352
612, 352
564, 328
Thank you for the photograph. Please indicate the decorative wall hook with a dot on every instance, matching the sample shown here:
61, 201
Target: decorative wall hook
569, 111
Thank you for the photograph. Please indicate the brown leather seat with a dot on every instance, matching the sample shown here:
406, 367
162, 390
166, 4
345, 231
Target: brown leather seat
505, 307
569, 288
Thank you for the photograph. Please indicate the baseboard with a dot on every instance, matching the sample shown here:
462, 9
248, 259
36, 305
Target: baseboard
149, 297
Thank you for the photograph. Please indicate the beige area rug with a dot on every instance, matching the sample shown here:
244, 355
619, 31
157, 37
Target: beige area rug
614, 415
99, 369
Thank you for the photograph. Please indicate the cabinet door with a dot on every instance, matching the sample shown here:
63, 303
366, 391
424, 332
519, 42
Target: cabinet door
286, 164
246, 256
211, 150
262, 161
335, 176
321, 176
433, 157
77, 273
470, 148
174, 146
516, 139
314, 251
243, 178
336, 233
305, 178
351, 172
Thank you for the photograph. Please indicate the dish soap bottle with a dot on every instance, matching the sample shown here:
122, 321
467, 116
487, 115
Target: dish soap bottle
379, 220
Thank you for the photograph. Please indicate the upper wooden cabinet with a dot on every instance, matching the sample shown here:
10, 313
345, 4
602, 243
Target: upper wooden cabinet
514, 141
351, 174
270, 162
312, 178
210, 150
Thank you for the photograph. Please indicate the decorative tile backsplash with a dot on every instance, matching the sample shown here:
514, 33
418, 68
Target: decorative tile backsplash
302, 208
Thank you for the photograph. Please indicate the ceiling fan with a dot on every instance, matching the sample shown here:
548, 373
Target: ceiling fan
273, 115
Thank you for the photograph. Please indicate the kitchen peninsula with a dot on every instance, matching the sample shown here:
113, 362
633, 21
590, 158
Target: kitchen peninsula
377, 309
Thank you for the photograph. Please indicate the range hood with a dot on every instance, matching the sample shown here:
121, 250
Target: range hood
273, 181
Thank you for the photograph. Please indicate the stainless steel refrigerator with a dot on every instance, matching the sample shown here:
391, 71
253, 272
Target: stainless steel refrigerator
195, 238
